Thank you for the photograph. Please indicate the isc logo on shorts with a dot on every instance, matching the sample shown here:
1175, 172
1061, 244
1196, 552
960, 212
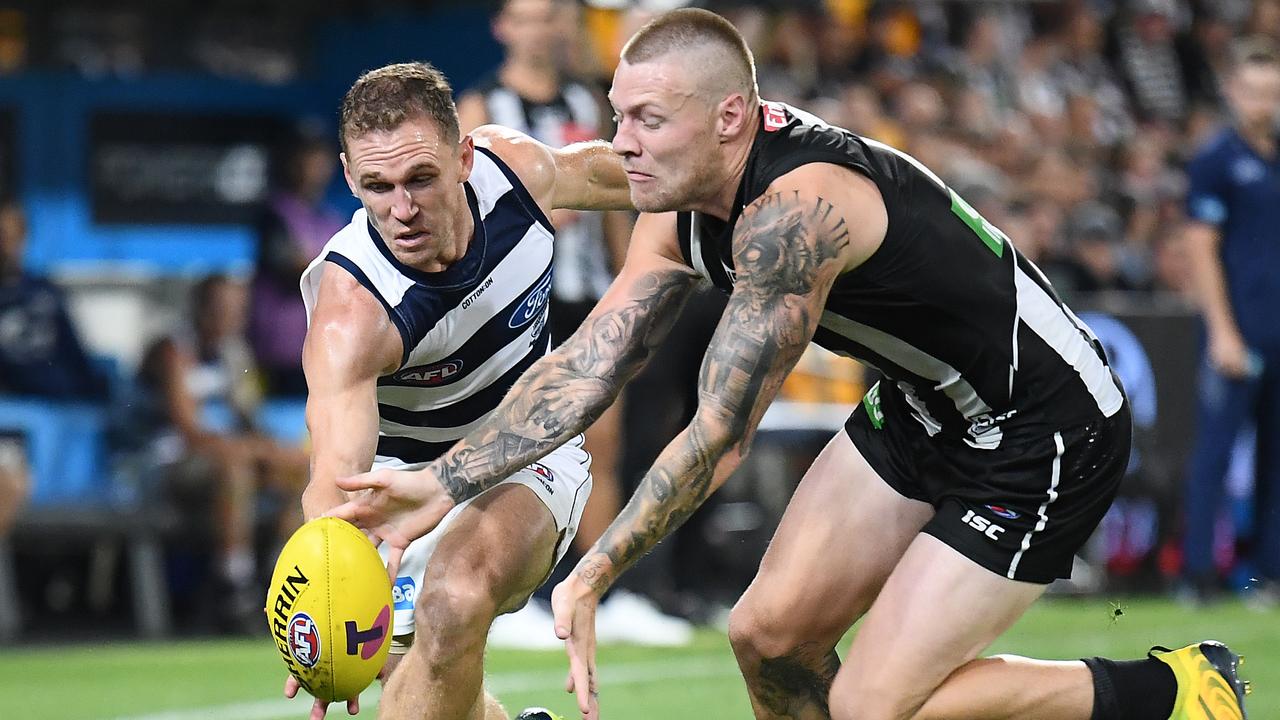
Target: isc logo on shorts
982, 525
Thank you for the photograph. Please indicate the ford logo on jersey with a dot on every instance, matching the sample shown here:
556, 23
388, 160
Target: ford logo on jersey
441, 373
533, 304
404, 593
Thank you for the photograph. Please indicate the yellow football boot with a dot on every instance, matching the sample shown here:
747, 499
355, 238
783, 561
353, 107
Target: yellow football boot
1209, 684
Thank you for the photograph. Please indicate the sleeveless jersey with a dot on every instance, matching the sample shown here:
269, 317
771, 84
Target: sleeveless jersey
468, 331
581, 261
967, 330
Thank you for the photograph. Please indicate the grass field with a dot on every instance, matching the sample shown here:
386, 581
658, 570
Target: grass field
241, 680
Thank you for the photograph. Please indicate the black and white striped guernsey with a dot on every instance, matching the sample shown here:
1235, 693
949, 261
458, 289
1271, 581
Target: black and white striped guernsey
469, 331
967, 329
572, 115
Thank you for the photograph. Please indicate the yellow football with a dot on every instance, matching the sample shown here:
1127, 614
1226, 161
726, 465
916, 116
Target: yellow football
329, 609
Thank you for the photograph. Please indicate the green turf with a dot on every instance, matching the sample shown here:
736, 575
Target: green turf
220, 680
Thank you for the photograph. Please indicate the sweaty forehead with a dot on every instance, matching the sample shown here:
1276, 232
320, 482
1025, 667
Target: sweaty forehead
660, 82
409, 144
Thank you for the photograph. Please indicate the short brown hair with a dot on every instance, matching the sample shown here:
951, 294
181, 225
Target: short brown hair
382, 99
692, 28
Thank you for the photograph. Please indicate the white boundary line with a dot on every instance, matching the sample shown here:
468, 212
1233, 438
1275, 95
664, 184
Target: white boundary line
637, 673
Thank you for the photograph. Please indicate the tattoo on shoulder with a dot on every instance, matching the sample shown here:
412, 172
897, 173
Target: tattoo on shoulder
783, 239
782, 244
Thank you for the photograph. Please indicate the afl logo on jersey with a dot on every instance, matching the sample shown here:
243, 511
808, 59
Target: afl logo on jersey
441, 373
775, 116
533, 304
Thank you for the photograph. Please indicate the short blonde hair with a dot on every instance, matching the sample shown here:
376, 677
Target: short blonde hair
693, 29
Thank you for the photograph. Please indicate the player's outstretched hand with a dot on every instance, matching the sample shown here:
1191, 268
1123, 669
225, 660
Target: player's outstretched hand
319, 707
395, 507
574, 604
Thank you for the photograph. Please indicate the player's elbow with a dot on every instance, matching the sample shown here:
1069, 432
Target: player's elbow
723, 435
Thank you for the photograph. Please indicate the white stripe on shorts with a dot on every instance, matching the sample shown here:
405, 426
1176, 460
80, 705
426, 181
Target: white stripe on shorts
1043, 512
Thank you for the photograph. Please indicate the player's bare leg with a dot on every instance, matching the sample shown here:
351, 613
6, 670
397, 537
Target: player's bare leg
822, 571
494, 554
938, 611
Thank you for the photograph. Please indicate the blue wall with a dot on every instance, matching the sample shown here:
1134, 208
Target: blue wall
52, 112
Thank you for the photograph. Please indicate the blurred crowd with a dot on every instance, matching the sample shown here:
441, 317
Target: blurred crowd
1066, 124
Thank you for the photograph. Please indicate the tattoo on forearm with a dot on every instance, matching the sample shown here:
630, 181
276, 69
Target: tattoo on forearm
787, 251
566, 391
795, 684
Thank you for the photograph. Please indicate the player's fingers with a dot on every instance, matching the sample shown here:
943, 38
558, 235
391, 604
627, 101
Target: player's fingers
562, 611
353, 706
363, 481
581, 678
291, 686
394, 554
349, 511
318, 709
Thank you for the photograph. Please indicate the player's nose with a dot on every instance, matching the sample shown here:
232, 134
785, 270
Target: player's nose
624, 140
403, 207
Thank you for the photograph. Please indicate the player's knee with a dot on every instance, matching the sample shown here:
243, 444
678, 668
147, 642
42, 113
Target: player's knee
859, 696
757, 632
452, 619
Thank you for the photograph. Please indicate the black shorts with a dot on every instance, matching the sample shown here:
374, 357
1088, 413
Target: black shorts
1021, 510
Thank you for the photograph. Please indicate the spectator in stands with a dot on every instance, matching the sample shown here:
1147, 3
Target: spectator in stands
1153, 60
193, 421
1234, 209
14, 479
295, 226
40, 353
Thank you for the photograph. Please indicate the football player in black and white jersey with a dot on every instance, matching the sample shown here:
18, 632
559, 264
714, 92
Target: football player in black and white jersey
959, 488
423, 311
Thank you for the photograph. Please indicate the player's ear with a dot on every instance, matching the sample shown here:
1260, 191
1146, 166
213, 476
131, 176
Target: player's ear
731, 117
346, 174
466, 157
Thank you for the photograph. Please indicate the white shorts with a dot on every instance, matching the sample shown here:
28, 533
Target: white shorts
562, 480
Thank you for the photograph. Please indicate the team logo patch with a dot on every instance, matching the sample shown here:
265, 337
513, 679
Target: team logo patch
545, 476
304, 640
1004, 512
404, 592
441, 373
775, 117
533, 304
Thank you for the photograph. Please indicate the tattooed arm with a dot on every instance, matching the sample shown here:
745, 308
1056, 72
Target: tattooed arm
557, 398
789, 247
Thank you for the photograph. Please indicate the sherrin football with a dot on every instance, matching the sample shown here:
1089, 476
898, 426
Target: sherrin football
329, 609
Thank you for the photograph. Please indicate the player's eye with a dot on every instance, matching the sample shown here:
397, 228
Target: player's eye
377, 187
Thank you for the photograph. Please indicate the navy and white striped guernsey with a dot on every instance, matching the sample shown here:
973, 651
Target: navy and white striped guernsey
469, 331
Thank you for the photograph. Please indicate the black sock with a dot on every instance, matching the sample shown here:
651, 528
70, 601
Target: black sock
1132, 689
